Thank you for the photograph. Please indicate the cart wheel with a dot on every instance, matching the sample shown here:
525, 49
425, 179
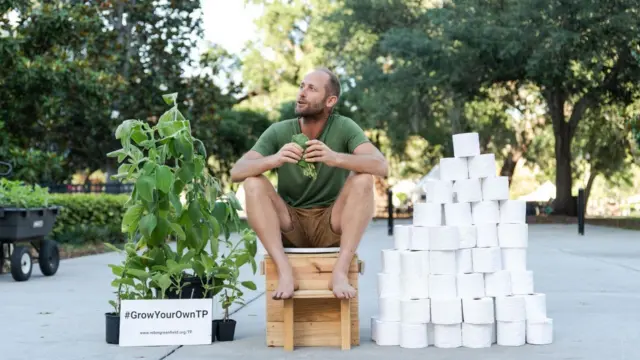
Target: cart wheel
21, 263
49, 258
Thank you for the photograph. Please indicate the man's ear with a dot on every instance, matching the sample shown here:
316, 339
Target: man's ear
331, 101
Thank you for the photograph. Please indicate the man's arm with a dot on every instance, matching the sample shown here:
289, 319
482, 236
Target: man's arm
252, 164
366, 158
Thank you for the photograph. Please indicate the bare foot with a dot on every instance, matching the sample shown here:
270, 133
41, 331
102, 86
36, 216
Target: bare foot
286, 287
341, 287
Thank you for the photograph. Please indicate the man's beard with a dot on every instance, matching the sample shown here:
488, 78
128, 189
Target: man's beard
311, 111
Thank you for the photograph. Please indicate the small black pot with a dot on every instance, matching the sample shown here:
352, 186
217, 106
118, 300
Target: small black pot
193, 290
214, 330
112, 321
226, 329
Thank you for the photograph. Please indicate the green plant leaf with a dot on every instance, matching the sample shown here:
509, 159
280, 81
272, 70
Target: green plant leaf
186, 172
160, 232
145, 186
138, 274
184, 147
177, 229
148, 224
164, 178
249, 285
170, 99
131, 217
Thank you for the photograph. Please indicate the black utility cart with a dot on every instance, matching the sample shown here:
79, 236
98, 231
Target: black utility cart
23, 228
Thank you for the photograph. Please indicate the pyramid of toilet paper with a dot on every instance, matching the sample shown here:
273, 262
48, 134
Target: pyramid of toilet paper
458, 276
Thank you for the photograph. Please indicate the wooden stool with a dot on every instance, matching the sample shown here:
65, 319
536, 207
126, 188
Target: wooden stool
318, 318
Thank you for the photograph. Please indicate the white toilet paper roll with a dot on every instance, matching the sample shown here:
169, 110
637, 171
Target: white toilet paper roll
514, 259
513, 235
413, 336
540, 332
444, 238
439, 191
464, 264
411, 263
485, 212
447, 336
511, 333
427, 214
478, 310
513, 211
510, 308
477, 336
535, 307
446, 311
388, 333
426, 262
374, 328
415, 311
466, 144
388, 285
458, 214
389, 309
486, 260
470, 285
419, 238
442, 286
414, 286
468, 236
487, 235
522, 282
453, 169
498, 283
401, 237
442, 262
467, 190
391, 261
482, 166
495, 188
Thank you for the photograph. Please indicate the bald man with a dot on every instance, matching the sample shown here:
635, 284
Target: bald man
332, 210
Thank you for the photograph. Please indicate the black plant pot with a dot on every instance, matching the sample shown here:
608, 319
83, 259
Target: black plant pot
194, 289
112, 328
214, 330
226, 330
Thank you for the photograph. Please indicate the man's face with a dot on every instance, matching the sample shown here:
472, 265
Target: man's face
312, 95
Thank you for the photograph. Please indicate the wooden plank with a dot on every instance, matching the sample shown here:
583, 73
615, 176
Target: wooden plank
345, 324
288, 325
308, 281
313, 294
312, 334
308, 265
309, 310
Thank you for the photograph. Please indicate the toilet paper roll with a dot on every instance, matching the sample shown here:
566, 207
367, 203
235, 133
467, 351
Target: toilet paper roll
513, 212
388, 285
447, 336
430, 334
522, 282
391, 261
466, 144
485, 212
482, 166
414, 286
478, 310
510, 308
442, 286
439, 191
402, 237
486, 260
427, 214
413, 336
487, 235
411, 263
443, 262
511, 333
535, 307
458, 214
426, 262
513, 235
477, 336
470, 285
374, 328
464, 264
444, 238
495, 188
514, 259
540, 332
419, 238
415, 311
446, 311
388, 333
453, 169
468, 236
389, 309
467, 190
498, 283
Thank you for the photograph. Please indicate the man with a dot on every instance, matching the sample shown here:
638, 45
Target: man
331, 210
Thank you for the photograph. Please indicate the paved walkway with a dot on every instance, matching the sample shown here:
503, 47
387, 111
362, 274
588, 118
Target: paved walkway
592, 284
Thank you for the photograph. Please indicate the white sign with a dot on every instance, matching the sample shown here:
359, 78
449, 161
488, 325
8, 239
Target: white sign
165, 322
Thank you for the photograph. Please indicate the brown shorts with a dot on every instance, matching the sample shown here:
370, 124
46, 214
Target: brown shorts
311, 229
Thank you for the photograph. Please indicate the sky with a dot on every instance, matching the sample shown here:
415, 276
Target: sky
229, 22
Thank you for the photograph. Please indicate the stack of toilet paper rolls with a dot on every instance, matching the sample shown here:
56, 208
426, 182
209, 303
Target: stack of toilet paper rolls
458, 276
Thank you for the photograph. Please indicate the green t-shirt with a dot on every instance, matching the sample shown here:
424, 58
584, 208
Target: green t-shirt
340, 133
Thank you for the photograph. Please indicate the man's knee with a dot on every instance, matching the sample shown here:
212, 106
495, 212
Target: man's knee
255, 185
362, 183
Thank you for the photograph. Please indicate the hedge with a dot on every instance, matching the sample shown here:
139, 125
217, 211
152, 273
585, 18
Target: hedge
89, 218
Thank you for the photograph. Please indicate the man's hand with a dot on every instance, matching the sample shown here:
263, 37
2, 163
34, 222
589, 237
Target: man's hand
317, 151
289, 153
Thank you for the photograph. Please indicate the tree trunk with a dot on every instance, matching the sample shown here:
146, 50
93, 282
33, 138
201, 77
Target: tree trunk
509, 166
564, 203
587, 190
